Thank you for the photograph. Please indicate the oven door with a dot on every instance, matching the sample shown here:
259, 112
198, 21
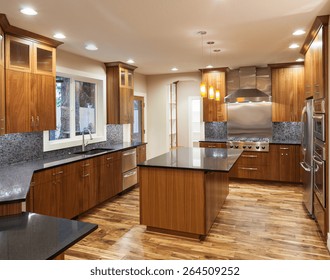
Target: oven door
319, 179
319, 126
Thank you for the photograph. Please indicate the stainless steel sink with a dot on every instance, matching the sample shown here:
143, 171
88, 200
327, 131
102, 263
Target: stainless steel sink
93, 151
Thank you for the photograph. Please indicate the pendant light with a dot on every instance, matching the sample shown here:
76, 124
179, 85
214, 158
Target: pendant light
211, 92
217, 95
211, 89
203, 91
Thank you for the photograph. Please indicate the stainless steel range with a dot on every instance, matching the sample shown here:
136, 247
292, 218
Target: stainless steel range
249, 144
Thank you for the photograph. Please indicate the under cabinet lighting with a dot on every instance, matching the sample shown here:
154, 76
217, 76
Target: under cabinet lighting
29, 11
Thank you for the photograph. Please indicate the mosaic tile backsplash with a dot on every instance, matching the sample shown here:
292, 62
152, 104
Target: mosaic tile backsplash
282, 131
29, 146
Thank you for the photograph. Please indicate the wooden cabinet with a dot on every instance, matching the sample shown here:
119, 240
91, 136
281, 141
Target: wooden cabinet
215, 111
212, 145
320, 215
287, 93
141, 153
120, 92
110, 183
28, 70
2, 82
309, 73
281, 164
318, 66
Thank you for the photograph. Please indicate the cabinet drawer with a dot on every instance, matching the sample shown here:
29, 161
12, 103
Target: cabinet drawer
249, 172
212, 145
255, 159
110, 157
129, 178
319, 215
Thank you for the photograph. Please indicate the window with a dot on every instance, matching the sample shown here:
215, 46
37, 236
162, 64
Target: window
79, 106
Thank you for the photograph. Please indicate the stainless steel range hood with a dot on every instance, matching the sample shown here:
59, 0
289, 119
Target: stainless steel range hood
247, 90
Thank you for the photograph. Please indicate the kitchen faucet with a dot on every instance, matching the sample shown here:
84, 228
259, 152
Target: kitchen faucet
83, 146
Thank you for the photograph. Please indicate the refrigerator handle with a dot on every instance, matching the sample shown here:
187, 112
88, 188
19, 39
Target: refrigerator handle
302, 164
304, 111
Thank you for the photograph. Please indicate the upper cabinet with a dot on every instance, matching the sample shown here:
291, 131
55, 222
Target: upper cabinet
120, 92
213, 110
28, 100
287, 92
316, 58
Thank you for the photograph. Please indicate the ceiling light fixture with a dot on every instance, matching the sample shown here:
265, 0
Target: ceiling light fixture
29, 11
210, 43
202, 84
298, 32
91, 47
59, 36
300, 59
130, 61
294, 46
174, 69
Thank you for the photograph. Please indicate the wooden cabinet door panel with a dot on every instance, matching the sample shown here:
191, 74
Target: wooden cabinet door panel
126, 105
18, 117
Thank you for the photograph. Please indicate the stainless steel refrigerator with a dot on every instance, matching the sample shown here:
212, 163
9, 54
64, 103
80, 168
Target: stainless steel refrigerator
307, 154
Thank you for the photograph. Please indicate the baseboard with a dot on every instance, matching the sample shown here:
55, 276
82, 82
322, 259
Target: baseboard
328, 241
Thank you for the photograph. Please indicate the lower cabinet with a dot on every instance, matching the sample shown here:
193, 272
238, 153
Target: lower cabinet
320, 215
281, 164
69, 190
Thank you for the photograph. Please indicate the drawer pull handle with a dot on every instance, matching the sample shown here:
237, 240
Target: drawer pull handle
250, 156
249, 168
284, 148
60, 172
109, 158
86, 164
86, 175
130, 174
129, 153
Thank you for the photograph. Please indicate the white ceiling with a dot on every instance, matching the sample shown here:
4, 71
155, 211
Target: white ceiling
161, 34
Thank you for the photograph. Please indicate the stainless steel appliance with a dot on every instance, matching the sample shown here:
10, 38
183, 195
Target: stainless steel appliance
307, 153
129, 169
248, 144
319, 119
319, 158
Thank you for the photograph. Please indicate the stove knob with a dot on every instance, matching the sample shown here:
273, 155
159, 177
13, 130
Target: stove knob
231, 146
263, 147
249, 147
257, 147
244, 147
236, 147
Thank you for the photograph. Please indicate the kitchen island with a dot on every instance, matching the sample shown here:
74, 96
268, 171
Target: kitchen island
182, 191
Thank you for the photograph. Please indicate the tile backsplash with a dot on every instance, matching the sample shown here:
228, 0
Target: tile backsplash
20, 147
282, 131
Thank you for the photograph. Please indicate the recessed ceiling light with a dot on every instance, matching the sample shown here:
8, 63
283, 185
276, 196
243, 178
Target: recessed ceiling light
130, 61
294, 46
59, 36
298, 32
174, 69
29, 11
91, 47
300, 59
209, 66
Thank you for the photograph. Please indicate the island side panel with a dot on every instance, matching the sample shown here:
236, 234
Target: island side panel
216, 192
172, 199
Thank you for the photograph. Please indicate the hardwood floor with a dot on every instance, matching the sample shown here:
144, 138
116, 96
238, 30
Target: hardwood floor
258, 221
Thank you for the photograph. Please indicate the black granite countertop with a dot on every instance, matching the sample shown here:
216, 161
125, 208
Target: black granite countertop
207, 159
271, 141
30, 236
15, 179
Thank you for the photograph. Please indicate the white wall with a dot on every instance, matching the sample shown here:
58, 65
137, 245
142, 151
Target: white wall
185, 89
157, 90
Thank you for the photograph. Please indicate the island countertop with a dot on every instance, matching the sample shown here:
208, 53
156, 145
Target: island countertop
207, 159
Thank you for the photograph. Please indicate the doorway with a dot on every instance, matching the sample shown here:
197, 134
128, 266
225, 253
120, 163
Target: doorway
138, 123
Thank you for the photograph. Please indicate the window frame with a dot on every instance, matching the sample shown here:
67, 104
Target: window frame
100, 135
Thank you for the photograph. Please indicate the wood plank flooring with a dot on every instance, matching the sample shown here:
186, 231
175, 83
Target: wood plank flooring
259, 221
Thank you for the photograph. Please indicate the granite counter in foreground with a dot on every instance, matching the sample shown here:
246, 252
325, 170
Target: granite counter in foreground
30, 236
206, 159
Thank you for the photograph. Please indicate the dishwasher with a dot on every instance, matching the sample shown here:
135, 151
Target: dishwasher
129, 168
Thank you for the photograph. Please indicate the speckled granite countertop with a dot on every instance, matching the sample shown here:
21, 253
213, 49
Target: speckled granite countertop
15, 179
271, 141
30, 236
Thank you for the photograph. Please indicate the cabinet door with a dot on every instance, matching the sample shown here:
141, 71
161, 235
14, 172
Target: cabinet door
44, 60
43, 100
18, 87
287, 94
317, 46
289, 163
126, 105
141, 154
18, 54
2, 84
309, 73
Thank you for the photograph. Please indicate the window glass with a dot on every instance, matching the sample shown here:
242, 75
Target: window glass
85, 101
62, 110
